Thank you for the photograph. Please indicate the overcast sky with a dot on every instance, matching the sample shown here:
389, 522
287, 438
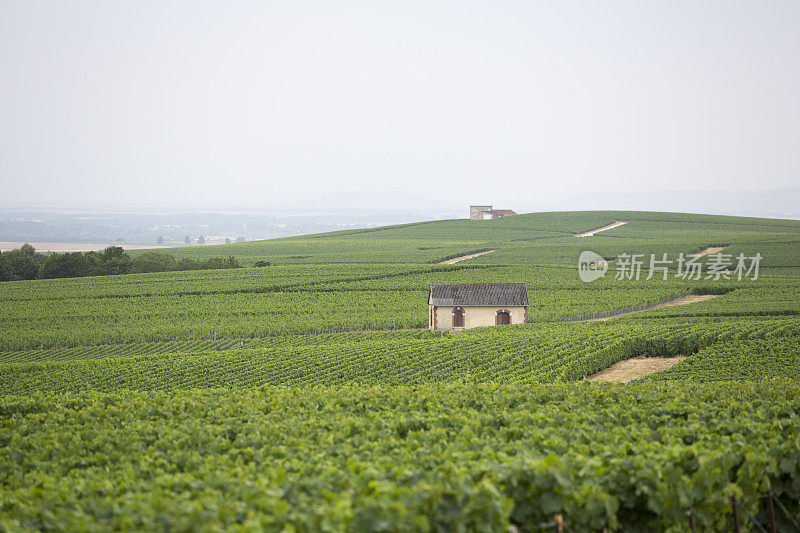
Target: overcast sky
510, 103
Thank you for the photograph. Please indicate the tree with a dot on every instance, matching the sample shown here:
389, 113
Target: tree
221, 262
227, 240
189, 264
201, 240
24, 263
187, 240
153, 262
68, 265
113, 260
160, 239
6, 272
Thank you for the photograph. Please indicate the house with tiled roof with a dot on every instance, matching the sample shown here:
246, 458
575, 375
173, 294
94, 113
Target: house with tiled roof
481, 212
459, 306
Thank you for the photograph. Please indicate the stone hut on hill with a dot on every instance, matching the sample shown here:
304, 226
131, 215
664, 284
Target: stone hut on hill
458, 306
482, 212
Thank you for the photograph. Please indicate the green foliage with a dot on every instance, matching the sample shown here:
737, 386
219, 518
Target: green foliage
25, 264
355, 458
153, 262
294, 299
66, 265
163, 262
535, 238
112, 261
532, 354
212, 263
222, 411
6, 270
760, 359
20, 264
770, 296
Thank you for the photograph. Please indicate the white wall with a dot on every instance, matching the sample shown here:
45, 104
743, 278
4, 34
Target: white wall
476, 316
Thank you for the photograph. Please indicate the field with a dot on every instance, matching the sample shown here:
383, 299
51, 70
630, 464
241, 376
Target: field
309, 396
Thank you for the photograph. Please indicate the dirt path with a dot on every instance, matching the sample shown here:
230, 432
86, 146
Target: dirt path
589, 233
689, 299
635, 368
74, 246
709, 250
463, 257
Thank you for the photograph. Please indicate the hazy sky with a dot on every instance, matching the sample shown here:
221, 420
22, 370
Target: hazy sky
510, 103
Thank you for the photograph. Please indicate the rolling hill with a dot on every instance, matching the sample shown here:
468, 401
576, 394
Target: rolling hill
309, 395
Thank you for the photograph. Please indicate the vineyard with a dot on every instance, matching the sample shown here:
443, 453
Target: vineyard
538, 238
279, 301
744, 359
308, 395
534, 354
373, 458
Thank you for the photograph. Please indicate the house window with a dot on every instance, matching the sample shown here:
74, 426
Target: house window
502, 318
458, 317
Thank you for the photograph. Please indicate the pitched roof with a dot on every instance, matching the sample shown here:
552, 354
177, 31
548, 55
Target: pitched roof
478, 294
504, 212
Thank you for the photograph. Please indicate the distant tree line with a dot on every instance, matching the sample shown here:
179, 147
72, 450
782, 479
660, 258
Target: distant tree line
27, 263
201, 240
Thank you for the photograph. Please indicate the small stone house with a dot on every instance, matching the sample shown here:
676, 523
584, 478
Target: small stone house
481, 212
458, 306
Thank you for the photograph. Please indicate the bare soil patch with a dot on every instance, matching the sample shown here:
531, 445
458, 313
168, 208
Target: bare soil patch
635, 368
74, 246
709, 250
589, 233
463, 257
689, 299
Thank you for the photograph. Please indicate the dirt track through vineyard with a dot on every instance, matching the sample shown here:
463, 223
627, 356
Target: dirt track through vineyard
589, 233
635, 368
709, 250
688, 299
463, 257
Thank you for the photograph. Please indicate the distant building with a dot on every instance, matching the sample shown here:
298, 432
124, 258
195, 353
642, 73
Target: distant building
458, 306
500, 213
481, 212
476, 211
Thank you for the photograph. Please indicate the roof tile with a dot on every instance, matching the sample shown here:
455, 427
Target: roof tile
478, 294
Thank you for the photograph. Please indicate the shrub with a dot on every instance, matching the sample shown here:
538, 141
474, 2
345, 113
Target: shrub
153, 262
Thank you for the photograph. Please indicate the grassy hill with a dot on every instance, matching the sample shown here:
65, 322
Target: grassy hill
538, 238
308, 396
320, 296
